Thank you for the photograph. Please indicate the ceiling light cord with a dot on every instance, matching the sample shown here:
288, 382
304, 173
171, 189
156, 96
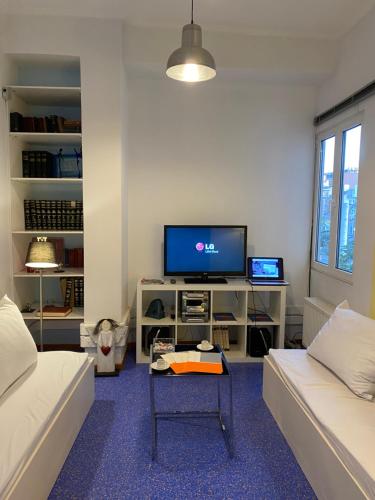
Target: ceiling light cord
192, 12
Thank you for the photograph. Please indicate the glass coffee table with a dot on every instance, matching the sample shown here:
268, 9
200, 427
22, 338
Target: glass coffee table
223, 379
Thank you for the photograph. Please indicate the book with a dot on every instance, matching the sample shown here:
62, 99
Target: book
72, 126
58, 311
53, 215
25, 164
28, 124
221, 336
16, 122
224, 316
68, 292
193, 361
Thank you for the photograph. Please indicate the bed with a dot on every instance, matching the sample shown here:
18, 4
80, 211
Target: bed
330, 430
40, 417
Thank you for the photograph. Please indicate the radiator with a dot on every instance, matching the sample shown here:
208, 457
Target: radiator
315, 313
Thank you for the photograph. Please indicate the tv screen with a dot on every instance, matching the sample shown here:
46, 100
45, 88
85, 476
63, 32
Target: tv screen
205, 250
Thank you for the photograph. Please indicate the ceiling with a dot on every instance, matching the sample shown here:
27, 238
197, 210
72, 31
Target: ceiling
306, 18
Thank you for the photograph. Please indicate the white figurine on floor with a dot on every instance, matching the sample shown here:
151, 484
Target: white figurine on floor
104, 336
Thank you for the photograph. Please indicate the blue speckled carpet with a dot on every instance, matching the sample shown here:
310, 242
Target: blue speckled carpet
111, 456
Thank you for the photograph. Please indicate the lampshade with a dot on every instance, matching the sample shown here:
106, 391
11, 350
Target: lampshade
191, 62
41, 254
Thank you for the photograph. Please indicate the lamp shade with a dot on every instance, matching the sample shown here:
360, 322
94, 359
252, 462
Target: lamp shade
41, 254
191, 62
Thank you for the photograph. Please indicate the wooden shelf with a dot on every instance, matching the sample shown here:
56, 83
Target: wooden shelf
47, 95
45, 180
76, 314
71, 272
47, 138
194, 323
240, 321
275, 321
46, 232
43, 100
146, 321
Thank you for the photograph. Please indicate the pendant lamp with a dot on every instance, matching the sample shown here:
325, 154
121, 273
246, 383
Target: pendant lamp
191, 62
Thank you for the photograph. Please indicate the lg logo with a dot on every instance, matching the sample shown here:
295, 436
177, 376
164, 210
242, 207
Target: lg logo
208, 247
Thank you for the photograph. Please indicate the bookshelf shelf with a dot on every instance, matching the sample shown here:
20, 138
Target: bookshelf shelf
68, 273
192, 324
41, 232
46, 95
45, 180
47, 137
158, 322
76, 314
239, 321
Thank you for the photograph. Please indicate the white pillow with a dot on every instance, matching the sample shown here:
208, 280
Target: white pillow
346, 345
17, 347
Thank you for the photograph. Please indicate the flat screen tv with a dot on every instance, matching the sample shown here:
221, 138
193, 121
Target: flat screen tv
205, 251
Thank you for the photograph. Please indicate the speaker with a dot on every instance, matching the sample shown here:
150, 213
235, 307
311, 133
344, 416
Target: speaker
259, 341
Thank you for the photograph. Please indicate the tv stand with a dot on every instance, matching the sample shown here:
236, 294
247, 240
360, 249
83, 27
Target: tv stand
205, 280
238, 297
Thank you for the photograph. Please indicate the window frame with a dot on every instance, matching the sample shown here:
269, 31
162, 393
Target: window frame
336, 131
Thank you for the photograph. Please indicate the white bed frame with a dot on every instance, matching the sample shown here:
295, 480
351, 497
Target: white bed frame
37, 477
328, 476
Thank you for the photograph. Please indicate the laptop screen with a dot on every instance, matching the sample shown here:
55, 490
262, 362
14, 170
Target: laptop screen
266, 268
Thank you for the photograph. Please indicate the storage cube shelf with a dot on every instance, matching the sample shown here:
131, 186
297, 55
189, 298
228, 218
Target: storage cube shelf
39, 101
237, 297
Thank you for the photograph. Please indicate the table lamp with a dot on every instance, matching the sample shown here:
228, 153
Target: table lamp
41, 255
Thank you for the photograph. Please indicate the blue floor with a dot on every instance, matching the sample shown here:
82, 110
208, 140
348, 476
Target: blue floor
111, 456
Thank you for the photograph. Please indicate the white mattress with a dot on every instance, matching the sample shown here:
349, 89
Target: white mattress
346, 420
28, 407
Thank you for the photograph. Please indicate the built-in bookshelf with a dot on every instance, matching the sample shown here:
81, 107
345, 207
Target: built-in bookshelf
38, 105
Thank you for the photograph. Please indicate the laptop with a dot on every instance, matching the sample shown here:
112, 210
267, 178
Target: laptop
266, 271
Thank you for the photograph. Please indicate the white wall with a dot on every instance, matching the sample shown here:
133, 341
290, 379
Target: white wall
355, 64
225, 152
356, 68
261, 58
99, 45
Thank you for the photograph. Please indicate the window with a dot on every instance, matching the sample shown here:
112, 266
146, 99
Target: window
325, 199
336, 200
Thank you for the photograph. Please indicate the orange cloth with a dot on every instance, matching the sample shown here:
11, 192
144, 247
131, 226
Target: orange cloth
193, 366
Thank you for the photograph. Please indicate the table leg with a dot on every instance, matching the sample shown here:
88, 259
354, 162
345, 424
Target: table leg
218, 397
231, 426
153, 419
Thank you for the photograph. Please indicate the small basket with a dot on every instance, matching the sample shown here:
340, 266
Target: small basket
163, 345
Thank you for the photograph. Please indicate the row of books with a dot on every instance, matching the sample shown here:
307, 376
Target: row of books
72, 291
54, 215
74, 257
38, 164
43, 124
220, 335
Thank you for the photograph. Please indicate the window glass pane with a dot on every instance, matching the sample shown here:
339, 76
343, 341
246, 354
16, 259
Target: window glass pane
325, 200
348, 198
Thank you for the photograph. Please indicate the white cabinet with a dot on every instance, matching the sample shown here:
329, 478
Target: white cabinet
237, 297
